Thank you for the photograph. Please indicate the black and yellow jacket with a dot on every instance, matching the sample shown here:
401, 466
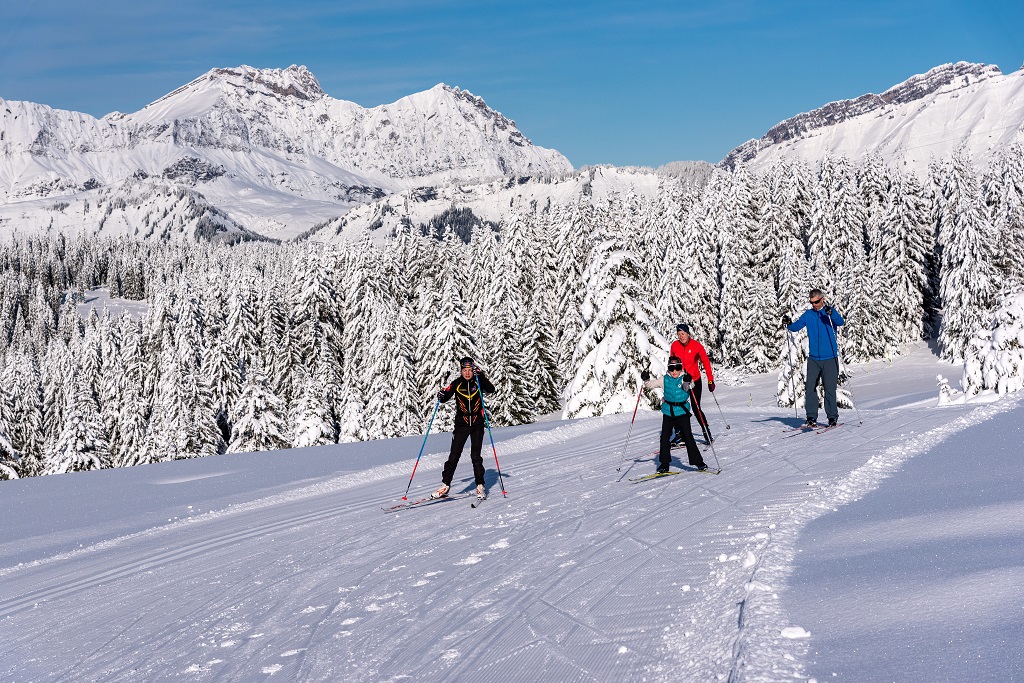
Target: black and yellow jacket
468, 405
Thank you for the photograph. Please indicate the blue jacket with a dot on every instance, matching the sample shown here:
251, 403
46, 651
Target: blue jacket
676, 401
821, 338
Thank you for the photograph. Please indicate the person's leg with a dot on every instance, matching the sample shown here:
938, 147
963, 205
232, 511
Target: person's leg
459, 437
476, 444
811, 388
665, 452
692, 452
702, 419
830, 381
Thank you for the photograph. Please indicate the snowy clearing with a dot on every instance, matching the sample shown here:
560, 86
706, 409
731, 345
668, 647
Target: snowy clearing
282, 565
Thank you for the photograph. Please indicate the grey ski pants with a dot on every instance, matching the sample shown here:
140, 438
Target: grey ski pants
828, 371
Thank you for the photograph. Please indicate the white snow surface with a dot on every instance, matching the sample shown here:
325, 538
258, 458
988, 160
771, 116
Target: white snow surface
858, 555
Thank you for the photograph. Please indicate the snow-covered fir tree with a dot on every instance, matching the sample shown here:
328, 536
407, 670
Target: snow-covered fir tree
261, 419
81, 444
968, 280
619, 339
995, 357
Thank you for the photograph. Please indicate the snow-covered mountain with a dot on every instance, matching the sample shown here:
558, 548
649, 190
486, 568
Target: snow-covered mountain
974, 106
267, 147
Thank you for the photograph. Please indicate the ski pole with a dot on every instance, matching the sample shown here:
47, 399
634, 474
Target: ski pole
849, 384
630, 432
436, 404
792, 374
487, 423
727, 426
711, 442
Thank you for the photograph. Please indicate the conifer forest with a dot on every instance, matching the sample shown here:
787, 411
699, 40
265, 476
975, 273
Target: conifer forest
262, 346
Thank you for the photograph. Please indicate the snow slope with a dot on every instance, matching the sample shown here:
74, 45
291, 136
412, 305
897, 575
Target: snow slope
932, 556
283, 566
971, 106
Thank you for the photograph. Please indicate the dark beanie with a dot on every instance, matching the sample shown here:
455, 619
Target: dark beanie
683, 327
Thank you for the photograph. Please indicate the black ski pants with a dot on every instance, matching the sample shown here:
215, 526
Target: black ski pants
681, 424
702, 420
475, 433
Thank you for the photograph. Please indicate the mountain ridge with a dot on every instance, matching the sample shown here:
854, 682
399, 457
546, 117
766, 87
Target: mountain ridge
271, 132
916, 107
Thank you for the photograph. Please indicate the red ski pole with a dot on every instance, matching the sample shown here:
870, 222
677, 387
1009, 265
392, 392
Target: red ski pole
487, 423
630, 433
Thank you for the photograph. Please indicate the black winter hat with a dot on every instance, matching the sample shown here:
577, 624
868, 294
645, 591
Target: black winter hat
465, 362
683, 327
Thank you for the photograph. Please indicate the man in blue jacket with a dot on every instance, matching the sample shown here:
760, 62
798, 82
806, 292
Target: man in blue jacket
821, 322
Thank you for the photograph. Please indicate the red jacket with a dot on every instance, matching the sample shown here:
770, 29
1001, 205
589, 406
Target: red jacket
689, 354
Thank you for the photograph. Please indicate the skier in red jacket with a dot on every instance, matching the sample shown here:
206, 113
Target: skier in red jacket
691, 351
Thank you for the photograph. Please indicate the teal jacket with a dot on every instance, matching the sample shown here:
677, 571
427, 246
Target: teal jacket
676, 401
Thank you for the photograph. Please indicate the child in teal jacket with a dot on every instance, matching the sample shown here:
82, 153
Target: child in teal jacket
676, 410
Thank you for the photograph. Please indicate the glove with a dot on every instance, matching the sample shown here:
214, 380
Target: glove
827, 309
786, 321
440, 396
645, 375
711, 387
688, 378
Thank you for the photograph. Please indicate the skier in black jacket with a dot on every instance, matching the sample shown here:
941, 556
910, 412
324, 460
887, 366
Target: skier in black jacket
469, 423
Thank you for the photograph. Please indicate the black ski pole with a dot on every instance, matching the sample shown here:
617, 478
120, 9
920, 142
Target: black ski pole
835, 348
727, 426
711, 442
792, 373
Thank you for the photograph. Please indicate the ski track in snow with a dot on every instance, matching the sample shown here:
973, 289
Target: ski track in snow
576, 574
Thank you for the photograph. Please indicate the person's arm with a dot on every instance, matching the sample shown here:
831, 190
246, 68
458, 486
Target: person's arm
798, 324
485, 384
653, 381
447, 392
702, 356
837, 319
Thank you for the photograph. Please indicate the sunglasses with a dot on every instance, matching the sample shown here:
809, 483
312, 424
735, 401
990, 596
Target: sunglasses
815, 302
675, 368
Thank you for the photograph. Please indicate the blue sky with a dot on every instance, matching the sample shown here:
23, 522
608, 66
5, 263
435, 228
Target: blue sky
626, 83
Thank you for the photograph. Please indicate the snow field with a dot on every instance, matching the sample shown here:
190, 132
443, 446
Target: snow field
576, 576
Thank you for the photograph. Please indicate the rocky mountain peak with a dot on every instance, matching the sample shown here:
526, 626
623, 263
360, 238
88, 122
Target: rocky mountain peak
295, 81
946, 76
